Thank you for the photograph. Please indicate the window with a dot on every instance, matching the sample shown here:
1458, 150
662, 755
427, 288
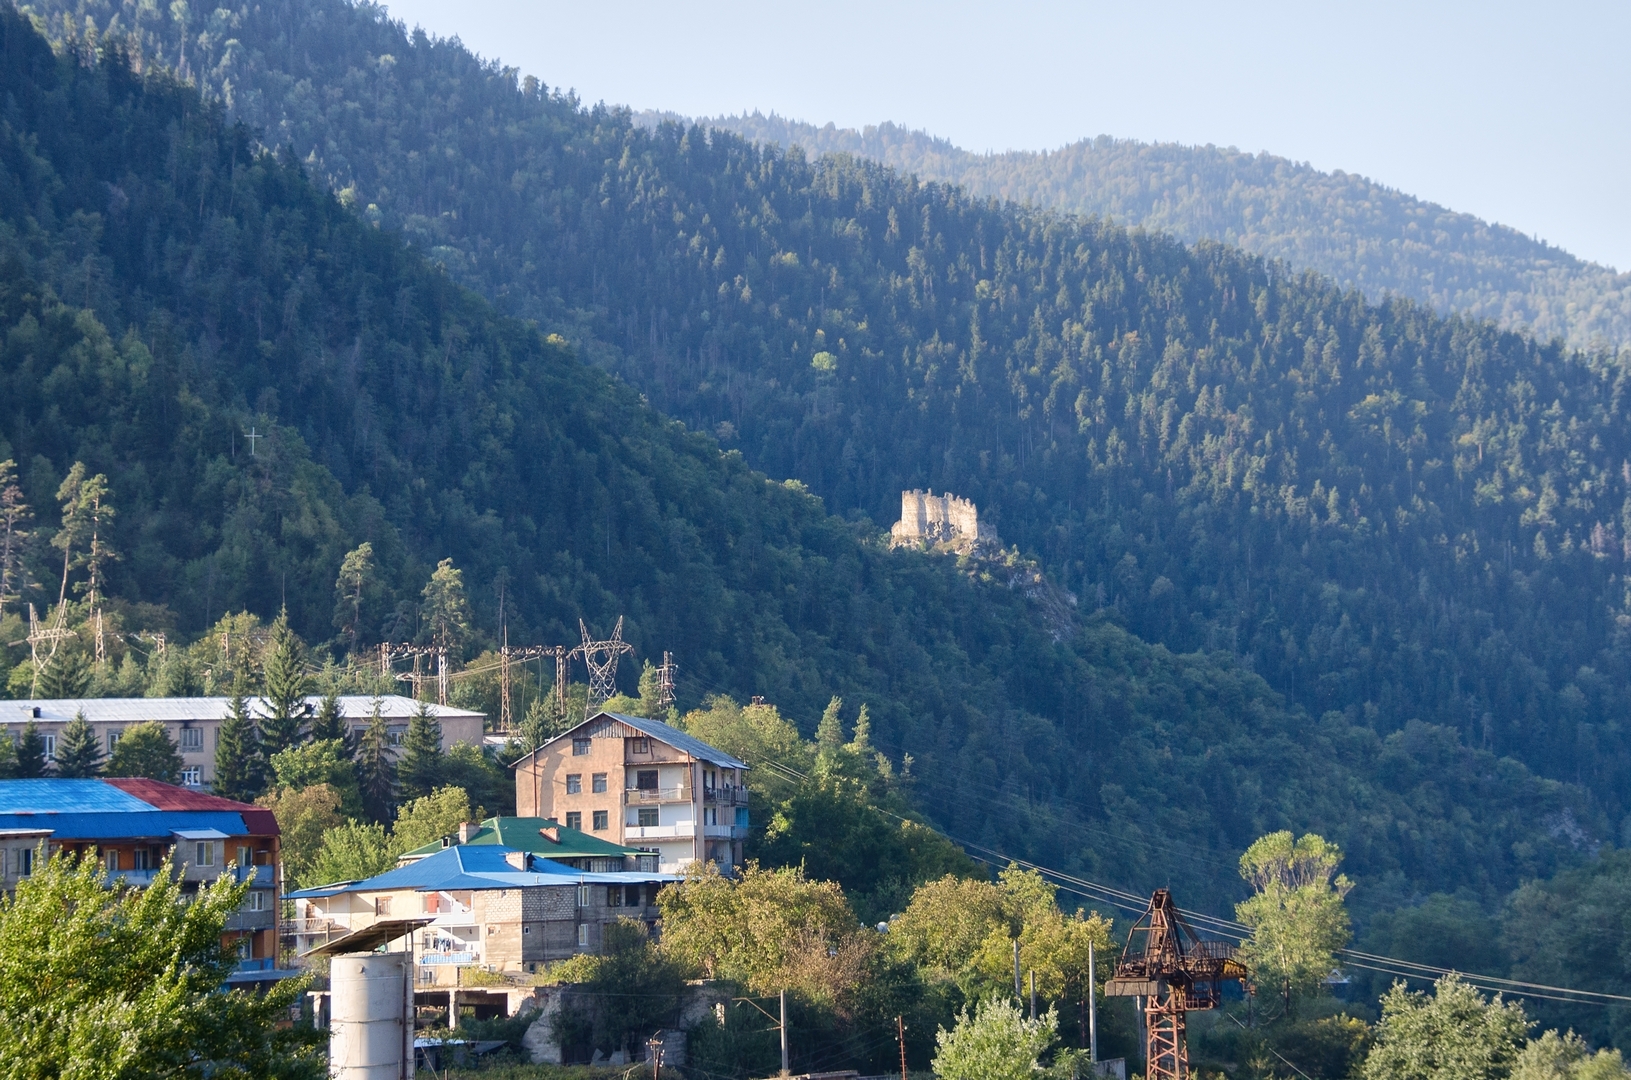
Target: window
192, 740
601, 821
640, 746
648, 817
741, 817
574, 783
382, 905
574, 820
50, 748
25, 862
245, 857
526, 929
257, 901
646, 780
598, 782
113, 740
631, 896
206, 854
583, 935
397, 734
583, 896
580, 747
111, 859
192, 777
614, 896
139, 860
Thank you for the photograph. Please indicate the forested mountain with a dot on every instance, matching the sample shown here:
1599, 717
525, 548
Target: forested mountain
1355, 231
165, 287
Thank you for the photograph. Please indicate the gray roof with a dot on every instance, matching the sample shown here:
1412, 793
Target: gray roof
662, 732
177, 710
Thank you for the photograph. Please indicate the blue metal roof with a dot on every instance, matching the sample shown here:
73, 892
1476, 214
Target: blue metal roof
145, 823
54, 796
678, 739
477, 867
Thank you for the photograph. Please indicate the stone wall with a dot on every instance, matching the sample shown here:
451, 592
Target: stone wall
927, 518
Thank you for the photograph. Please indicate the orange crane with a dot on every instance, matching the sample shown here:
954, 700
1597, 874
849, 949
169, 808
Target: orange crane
1167, 965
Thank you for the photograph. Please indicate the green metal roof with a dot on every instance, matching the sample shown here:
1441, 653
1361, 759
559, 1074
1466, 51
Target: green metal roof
526, 834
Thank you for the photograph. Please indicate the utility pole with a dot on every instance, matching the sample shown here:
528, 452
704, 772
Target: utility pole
900, 1034
785, 1070
1019, 993
1033, 993
665, 680
1092, 1007
655, 1046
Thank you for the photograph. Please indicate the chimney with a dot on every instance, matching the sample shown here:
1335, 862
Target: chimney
466, 830
36, 712
551, 832
517, 859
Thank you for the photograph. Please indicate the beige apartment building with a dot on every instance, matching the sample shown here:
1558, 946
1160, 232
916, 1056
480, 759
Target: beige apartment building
640, 783
195, 722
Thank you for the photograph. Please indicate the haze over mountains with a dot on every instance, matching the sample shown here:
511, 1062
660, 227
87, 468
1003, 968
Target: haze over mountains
1356, 232
1341, 566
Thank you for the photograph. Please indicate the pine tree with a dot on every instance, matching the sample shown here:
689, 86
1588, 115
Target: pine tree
66, 676
420, 771
284, 675
330, 723
14, 515
830, 731
650, 691
356, 577
445, 613
79, 753
31, 763
376, 774
239, 767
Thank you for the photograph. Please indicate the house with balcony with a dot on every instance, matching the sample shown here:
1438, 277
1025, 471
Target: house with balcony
481, 906
132, 825
640, 783
194, 723
547, 839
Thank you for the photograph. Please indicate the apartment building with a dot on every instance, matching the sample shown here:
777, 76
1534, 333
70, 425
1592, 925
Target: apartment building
640, 783
195, 722
133, 825
481, 905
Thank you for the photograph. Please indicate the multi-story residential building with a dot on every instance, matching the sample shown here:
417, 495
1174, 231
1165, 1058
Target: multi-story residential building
195, 722
640, 783
481, 905
132, 825
547, 839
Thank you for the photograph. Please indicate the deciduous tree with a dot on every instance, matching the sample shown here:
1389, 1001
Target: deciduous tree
1296, 913
146, 749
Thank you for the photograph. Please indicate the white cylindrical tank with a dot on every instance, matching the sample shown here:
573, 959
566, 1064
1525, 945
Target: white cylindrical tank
371, 1003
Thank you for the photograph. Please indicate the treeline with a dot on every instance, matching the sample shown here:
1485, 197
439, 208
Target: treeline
1353, 230
1386, 514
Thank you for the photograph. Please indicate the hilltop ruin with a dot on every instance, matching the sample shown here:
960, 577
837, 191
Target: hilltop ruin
930, 519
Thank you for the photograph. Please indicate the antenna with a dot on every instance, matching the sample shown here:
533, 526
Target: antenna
600, 657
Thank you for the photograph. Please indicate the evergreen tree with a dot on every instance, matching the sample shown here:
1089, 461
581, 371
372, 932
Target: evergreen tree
31, 763
239, 765
329, 722
420, 770
66, 676
284, 677
8, 758
376, 773
14, 514
542, 723
830, 731
352, 590
146, 749
445, 612
79, 753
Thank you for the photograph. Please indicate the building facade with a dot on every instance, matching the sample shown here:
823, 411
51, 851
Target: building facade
481, 906
640, 783
195, 722
132, 825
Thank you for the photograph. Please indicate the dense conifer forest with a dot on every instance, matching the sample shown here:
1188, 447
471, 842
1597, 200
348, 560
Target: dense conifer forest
1353, 230
1338, 566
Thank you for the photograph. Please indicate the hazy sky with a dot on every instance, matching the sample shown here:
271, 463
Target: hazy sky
1517, 113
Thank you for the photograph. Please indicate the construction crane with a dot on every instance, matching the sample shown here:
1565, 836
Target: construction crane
1167, 965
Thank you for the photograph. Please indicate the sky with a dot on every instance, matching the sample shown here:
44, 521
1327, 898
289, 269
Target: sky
1518, 113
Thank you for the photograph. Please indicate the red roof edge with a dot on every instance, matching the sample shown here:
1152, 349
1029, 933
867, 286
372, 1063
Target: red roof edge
170, 797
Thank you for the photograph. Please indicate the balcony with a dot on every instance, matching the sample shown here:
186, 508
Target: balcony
447, 958
138, 879
726, 795
306, 927
648, 796
660, 832
264, 877
725, 832
243, 919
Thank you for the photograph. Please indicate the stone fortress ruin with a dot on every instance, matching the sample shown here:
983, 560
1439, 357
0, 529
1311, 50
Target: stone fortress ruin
930, 519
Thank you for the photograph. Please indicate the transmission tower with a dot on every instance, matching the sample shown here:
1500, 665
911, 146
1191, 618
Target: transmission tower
600, 657
50, 636
1174, 972
665, 680
515, 654
389, 654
